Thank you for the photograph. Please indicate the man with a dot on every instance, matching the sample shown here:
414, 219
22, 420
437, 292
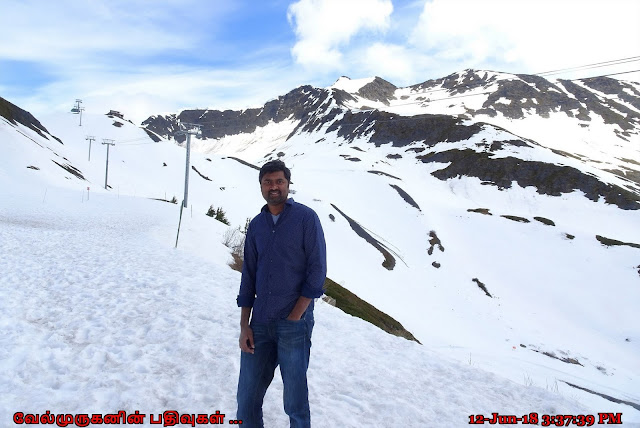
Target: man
284, 270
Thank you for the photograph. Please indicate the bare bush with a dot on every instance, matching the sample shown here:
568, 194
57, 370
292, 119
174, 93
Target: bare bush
234, 239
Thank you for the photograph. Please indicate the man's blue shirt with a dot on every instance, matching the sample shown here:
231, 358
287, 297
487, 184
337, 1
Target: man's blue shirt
282, 262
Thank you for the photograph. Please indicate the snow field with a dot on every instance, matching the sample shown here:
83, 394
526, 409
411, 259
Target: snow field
100, 313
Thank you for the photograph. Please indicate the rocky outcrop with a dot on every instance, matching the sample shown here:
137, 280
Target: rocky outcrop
297, 105
15, 115
547, 178
378, 90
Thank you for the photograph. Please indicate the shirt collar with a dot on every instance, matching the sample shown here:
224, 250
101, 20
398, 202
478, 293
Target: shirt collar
289, 202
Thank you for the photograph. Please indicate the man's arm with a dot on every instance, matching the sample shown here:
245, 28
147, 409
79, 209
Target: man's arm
247, 292
316, 254
246, 333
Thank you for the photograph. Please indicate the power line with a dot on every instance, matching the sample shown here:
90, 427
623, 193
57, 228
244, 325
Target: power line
598, 64
607, 75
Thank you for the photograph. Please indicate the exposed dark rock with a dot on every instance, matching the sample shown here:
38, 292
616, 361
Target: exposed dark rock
569, 236
387, 128
332, 217
117, 124
567, 360
200, 174
611, 111
245, 163
165, 126
516, 218
613, 242
378, 90
433, 241
605, 396
482, 286
152, 135
394, 156
407, 198
436, 265
389, 261
615, 87
499, 145
33, 167
548, 179
71, 170
629, 174
384, 173
15, 115
484, 211
458, 83
342, 97
545, 221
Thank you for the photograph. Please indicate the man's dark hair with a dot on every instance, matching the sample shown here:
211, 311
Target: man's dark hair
274, 166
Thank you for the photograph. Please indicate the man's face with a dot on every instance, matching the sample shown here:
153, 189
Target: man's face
275, 188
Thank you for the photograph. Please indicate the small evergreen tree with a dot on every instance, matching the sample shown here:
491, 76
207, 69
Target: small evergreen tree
221, 216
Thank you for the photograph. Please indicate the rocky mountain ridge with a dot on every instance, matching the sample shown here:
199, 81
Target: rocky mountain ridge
462, 107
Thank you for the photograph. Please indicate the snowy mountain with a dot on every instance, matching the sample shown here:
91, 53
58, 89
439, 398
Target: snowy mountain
495, 216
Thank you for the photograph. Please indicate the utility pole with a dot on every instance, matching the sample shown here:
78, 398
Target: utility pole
108, 143
90, 138
189, 129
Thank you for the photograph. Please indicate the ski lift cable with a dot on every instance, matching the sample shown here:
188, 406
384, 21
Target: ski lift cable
612, 62
588, 68
607, 75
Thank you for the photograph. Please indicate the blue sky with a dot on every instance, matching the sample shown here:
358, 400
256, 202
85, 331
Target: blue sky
162, 56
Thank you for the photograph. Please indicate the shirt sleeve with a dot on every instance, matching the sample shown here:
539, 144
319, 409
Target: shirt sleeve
247, 293
316, 255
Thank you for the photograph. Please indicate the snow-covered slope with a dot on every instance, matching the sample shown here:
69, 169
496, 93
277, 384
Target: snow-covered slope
523, 187
101, 314
406, 231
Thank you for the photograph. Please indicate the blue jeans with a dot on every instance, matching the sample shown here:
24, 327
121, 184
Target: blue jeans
284, 343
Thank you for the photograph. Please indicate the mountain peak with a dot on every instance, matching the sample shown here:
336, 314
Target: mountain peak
349, 85
372, 88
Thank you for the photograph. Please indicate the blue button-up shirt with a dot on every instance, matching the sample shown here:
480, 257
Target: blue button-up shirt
282, 262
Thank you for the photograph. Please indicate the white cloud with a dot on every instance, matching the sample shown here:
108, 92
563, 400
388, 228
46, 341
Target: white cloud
64, 31
527, 36
323, 27
395, 63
